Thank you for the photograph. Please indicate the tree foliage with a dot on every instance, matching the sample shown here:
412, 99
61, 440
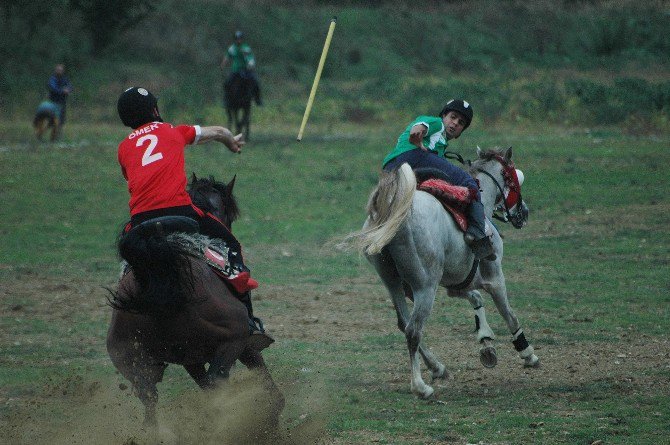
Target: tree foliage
583, 61
104, 20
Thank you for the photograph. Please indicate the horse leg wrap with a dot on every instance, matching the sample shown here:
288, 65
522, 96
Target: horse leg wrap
520, 342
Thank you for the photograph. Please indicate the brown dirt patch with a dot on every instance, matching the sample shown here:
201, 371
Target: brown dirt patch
336, 314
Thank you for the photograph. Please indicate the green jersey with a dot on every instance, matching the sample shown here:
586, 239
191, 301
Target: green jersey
434, 140
241, 57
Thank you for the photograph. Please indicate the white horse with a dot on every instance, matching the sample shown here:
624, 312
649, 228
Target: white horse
415, 245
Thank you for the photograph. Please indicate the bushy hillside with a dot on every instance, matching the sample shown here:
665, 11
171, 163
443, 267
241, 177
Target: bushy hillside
584, 63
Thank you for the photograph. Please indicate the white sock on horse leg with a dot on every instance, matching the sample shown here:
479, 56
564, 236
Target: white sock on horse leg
483, 328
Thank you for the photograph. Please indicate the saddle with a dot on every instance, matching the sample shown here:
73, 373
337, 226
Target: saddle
213, 251
455, 199
164, 225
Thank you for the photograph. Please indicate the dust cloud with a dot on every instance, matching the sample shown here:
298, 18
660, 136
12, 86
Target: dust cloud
239, 412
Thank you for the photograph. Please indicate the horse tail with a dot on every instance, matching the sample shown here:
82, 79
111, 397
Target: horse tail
162, 272
388, 207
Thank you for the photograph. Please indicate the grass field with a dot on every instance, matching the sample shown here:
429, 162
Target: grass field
588, 278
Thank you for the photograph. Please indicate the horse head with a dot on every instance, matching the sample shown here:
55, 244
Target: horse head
215, 197
498, 165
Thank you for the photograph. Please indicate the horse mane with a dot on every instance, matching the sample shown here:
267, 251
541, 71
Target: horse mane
198, 188
484, 157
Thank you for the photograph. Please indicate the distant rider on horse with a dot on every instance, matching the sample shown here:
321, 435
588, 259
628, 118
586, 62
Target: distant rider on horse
243, 62
152, 161
422, 145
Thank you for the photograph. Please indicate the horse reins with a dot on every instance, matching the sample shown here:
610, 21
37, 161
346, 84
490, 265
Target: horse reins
459, 158
502, 196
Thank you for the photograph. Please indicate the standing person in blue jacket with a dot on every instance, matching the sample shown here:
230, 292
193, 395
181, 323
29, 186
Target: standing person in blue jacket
59, 90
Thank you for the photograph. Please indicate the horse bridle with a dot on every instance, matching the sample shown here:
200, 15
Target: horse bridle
513, 199
207, 205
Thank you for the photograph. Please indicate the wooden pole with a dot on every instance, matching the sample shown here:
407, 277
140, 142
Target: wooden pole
315, 85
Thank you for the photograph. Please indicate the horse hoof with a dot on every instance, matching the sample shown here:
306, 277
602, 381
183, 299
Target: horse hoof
488, 357
424, 393
532, 362
427, 394
440, 374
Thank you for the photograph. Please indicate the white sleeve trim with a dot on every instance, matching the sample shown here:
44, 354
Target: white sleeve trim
434, 139
198, 133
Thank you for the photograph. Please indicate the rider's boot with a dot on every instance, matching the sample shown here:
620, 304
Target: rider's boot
475, 236
241, 280
258, 338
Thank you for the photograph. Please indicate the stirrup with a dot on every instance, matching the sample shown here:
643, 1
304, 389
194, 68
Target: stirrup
255, 324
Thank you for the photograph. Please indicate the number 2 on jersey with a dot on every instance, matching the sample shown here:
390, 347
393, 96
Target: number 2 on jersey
149, 156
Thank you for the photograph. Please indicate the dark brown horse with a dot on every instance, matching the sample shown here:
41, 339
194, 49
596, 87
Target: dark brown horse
171, 307
238, 92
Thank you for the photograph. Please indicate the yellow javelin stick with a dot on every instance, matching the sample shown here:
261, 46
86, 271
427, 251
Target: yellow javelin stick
315, 85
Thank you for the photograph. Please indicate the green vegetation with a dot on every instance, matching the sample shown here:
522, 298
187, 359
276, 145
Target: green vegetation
584, 63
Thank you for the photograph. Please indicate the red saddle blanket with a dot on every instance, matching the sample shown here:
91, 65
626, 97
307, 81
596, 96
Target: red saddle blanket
215, 257
454, 198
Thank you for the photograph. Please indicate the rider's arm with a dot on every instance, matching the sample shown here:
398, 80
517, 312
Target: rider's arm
67, 88
227, 57
53, 85
416, 135
223, 135
249, 60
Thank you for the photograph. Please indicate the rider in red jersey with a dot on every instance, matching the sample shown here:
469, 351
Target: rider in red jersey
152, 162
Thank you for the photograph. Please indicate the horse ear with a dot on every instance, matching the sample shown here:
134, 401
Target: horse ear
508, 154
193, 178
479, 152
231, 184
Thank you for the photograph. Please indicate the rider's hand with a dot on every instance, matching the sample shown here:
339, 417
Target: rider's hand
237, 143
416, 135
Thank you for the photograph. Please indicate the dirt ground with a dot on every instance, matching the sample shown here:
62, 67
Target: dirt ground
102, 409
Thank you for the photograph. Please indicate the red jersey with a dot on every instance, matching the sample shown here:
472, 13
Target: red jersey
152, 161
